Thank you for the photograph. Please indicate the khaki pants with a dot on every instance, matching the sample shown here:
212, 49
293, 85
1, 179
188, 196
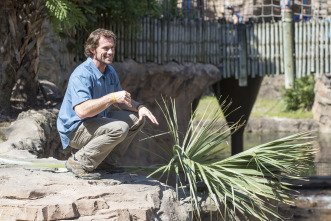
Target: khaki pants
105, 139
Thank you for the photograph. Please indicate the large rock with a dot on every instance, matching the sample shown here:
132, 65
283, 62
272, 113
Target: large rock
33, 193
34, 131
148, 83
322, 104
56, 61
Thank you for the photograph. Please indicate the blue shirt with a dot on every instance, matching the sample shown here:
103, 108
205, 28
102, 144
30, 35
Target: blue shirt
304, 18
85, 83
240, 18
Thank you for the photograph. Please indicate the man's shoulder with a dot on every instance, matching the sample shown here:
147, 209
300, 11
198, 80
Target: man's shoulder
84, 66
112, 70
82, 70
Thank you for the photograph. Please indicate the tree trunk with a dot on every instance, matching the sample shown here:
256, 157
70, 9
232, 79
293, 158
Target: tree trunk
7, 74
21, 28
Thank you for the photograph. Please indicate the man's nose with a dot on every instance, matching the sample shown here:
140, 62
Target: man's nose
110, 51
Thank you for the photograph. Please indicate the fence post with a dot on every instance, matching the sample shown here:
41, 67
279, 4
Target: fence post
242, 55
287, 20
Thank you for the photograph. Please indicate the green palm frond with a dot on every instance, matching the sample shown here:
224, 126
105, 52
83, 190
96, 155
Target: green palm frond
245, 183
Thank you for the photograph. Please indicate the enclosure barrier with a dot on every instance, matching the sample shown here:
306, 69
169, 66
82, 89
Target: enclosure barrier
237, 50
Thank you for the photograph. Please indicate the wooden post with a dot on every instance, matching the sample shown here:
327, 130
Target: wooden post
242, 56
287, 19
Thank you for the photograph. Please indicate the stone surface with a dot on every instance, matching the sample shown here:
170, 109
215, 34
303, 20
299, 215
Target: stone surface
271, 87
56, 62
149, 83
34, 131
270, 124
43, 193
35, 193
322, 104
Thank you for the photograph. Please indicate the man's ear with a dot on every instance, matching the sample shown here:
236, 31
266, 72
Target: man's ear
92, 50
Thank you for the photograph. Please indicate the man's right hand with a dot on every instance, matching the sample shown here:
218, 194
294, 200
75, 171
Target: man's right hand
122, 97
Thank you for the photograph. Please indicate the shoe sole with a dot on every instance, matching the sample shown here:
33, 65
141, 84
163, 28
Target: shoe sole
77, 175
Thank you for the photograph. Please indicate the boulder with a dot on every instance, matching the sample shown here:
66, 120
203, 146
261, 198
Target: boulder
150, 83
34, 131
34, 193
322, 103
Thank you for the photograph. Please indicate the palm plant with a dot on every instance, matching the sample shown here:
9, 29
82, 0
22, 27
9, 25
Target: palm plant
247, 183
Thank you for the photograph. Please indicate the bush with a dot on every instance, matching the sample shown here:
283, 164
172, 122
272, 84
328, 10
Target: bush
301, 96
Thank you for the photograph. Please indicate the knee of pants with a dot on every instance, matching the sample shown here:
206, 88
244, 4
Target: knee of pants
119, 131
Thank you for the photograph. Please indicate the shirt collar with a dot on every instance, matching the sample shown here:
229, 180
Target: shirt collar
95, 70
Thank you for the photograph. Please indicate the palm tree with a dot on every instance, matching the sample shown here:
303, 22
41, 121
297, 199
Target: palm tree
247, 183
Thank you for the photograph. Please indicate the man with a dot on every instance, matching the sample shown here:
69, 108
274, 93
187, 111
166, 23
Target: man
236, 18
302, 17
83, 123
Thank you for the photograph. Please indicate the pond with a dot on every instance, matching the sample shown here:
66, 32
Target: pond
313, 201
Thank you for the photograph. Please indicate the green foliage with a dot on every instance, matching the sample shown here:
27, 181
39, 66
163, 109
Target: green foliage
301, 96
245, 183
119, 12
170, 9
65, 15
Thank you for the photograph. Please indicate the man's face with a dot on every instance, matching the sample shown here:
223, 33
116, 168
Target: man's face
104, 53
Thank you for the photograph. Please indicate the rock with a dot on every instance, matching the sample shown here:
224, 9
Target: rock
36, 132
322, 104
56, 62
149, 83
33, 193
271, 87
50, 92
270, 124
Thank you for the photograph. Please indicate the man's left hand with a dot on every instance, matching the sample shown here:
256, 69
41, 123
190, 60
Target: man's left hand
144, 112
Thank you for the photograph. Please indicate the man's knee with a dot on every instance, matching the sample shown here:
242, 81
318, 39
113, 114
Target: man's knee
118, 130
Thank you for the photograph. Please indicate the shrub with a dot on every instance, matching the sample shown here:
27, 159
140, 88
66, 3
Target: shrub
301, 96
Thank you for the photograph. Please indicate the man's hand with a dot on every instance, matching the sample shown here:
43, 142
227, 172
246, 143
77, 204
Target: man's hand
144, 112
122, 97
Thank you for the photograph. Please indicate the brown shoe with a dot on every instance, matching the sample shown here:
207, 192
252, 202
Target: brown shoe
76, 168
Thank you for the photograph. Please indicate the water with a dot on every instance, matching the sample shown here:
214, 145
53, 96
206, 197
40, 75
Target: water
313, 201
321, 165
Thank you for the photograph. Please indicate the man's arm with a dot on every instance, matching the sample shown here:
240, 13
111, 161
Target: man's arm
93, 107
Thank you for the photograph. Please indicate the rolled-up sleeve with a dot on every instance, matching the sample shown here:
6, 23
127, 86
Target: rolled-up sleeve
80, 90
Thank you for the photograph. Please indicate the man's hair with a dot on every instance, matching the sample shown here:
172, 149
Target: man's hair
93, 40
